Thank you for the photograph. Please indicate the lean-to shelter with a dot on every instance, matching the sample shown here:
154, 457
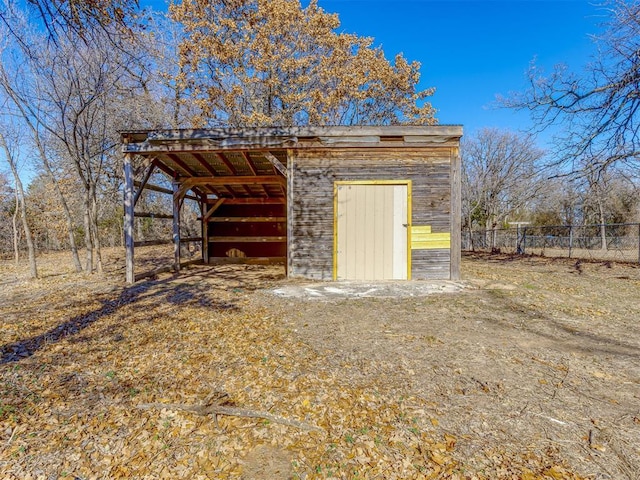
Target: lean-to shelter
348, 202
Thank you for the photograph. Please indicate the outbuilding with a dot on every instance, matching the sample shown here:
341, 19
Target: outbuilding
351, 202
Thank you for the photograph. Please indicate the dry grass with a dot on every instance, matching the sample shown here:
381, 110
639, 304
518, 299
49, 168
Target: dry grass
531, 373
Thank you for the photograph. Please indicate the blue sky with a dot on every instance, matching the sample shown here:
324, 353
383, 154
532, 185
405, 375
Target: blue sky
473, 50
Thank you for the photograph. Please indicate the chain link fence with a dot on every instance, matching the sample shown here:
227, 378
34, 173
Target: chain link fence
619, 242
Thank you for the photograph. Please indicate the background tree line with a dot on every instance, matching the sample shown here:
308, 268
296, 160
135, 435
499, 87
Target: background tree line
73, 73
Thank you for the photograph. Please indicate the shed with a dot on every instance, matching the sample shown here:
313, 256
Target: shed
348, 202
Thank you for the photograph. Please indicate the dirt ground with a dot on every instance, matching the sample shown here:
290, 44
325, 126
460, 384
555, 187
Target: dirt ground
527, 368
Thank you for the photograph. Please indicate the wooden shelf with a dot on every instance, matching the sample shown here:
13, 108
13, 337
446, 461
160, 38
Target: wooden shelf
247, 239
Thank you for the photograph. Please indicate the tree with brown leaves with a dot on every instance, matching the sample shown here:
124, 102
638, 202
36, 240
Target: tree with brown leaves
255, 62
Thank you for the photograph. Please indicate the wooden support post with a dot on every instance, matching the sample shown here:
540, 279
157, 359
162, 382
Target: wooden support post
128, 217
177, 202
205, 231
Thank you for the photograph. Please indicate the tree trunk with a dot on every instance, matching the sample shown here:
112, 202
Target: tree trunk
95, 230
88, 243
16, 234
33, 268
73, 246
603, 228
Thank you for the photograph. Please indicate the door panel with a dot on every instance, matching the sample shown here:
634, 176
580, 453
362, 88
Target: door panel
371, 231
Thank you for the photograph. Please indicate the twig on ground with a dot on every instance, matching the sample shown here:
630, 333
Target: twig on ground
230, 411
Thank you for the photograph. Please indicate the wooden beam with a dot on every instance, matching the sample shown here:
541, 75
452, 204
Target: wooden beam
181, 164
227, 163
152, 215
145, 179
215, 207
190, 239
235, 180
128, 218
250, 164
150, 243
168, 171
276, 163
254, 172
155, 188
246, 239
204, 163
247, 219
255, 201
168, 191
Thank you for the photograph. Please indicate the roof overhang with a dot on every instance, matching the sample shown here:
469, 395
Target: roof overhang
251, 162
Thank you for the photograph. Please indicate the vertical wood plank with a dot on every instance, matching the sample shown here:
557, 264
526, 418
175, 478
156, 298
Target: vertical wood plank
205, 230
289, 212
128, 218
456, 214
176, 225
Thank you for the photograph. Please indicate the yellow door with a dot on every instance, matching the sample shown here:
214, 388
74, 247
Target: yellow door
371, 231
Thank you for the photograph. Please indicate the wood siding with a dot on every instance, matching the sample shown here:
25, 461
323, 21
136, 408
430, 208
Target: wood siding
312, 174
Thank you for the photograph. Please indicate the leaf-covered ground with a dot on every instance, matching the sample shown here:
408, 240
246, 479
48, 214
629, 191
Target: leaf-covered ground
530, 372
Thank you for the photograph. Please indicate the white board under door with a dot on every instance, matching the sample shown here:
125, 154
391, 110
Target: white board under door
371, 231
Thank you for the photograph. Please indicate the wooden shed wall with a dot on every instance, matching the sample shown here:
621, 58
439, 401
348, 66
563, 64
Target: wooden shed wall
312, 174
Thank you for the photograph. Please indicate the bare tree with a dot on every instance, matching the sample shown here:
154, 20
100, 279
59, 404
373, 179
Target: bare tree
59, 17
500, 175
9, 150
598, 109
22, 91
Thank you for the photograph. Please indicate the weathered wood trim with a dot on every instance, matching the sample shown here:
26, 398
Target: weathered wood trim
128, 218
456, 214
215, 136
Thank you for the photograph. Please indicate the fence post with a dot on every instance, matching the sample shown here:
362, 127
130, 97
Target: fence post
570, 239
524, 241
